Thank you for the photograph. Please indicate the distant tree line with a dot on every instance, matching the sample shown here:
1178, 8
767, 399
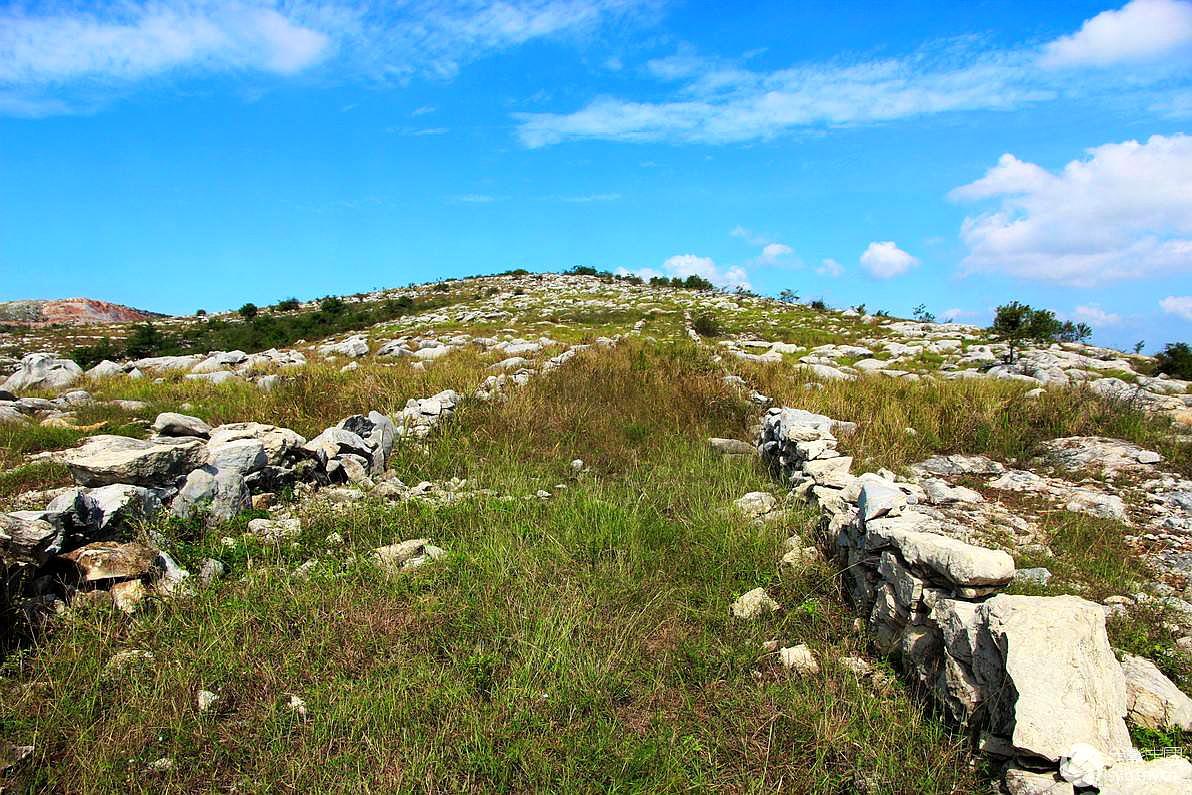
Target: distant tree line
259, 330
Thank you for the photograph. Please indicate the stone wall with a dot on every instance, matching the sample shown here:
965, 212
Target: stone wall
1032, 678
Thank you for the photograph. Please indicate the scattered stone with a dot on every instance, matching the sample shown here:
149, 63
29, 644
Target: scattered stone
799, 659
1170, 775
105, 460
42, 371
275, 529
206, 700
109, 560
407, 555
1025, 782
732, 447
753, 604
1036, 576
756, 503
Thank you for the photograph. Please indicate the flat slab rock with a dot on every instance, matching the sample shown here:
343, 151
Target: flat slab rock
104, 460
959, 563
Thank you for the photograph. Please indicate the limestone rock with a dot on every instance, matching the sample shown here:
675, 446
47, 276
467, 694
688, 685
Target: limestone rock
104, 460
169, 423
753, 604
109, 560
406, 555
1025, 782
731, 446
216, 494
1061, 684
1152, 699
756, 503
1171, 775
799, 659
42, 371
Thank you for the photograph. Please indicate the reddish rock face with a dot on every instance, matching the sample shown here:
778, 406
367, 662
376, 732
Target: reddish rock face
71, 312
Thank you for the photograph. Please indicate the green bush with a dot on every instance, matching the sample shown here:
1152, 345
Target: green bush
707, 326
1175, 360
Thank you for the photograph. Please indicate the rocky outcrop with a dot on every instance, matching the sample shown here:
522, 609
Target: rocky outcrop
42, 371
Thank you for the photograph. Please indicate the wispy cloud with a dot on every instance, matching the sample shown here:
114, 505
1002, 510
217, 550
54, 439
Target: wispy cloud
592, 197
53, 54
720, 102
475, 198
1178, 305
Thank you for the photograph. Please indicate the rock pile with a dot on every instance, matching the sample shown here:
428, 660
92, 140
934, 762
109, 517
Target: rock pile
1033, 678
77, 544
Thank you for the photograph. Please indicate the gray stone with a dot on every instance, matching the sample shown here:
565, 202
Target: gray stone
959, 563
1171, 775
238, 455
1061, 683
103, 460
215, 494
1025, 782
731, 446
169, 423
42, 371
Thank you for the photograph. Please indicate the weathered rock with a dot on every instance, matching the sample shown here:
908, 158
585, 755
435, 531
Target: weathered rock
29, 536
1153, 700
1057, 679
753, 604
756, 503
406, 555
215, 494
128, 595
1171, 775
959, 563
799, 659
172, 424
109, 560
878, 498
42, 371
237, 455
104, 460
731, 446
281, 444
275, 529
1025, 782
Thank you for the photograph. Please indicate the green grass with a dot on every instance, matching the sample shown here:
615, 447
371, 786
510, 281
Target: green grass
994, 418
582, 643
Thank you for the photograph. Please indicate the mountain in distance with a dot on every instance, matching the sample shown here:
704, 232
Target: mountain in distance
70, 312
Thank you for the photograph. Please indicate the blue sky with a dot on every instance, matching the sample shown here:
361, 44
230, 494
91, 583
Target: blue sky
204, 153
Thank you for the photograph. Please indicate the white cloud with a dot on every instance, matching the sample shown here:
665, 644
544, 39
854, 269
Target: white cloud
773, 252
886, 260
1142, 30
684, 265
1125, 211
422, 110
830, 267
730, 104
1178, 305
59, 50
475, 198
135, 41
1096, 316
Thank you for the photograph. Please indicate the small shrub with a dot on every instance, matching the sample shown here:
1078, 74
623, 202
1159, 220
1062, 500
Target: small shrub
248, 311
1175, 360
707, 326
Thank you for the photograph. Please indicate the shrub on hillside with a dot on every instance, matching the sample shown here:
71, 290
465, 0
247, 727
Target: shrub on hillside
288, 305
707, 326
1175, 360
248, 311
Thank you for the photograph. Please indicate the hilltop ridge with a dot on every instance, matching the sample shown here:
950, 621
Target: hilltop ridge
70, 311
